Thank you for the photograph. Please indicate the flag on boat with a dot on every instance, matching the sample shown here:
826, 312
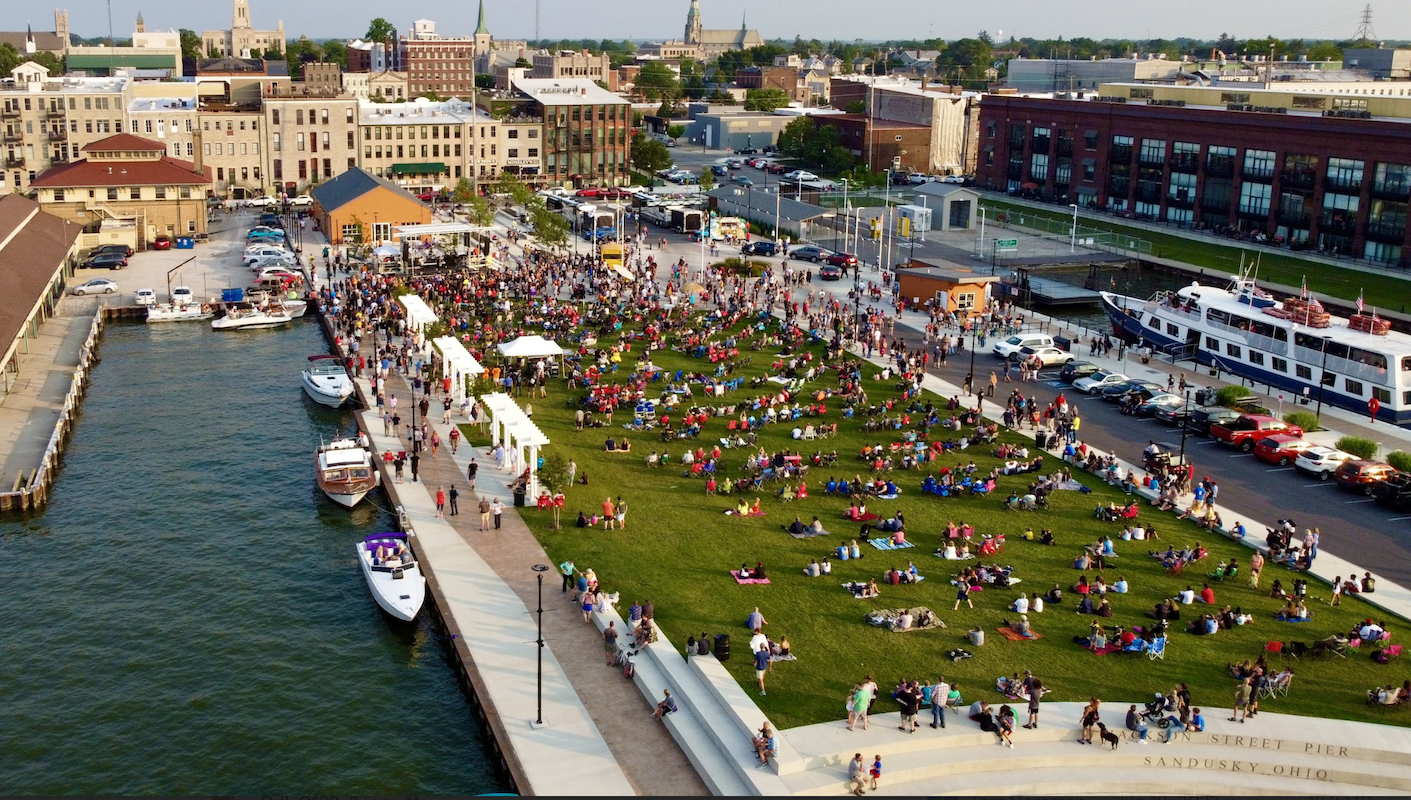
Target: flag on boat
1303, 293
1359, 301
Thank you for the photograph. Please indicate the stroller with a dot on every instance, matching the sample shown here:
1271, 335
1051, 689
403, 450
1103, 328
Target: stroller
1158, 710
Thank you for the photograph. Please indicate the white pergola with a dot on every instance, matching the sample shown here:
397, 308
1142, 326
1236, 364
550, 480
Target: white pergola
509, 424
419, 314
458, 365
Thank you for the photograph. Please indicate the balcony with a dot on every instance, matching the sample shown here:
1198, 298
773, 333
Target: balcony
1297, 178
1216, 205
1386, 230
1149, 192
1119, 187
1254, 211
52, 111
1294, 218
1064, 148
1257, 173
1120, 154
1220, 167
1392, 188
58, 135
14, 161
13, 136
1338, 223
1343, 180
1184, 163
1186, 200
1014, 171
9, 111
1148, 159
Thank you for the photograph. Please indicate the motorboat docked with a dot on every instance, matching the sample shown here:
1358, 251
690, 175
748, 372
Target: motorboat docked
326, 381
1294, 345
238, 317
173, 312
296, 308
392, 573
345, 471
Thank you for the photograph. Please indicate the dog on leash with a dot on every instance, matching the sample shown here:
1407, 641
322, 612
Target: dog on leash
1109, 737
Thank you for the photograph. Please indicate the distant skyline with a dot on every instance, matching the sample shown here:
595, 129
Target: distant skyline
844, 20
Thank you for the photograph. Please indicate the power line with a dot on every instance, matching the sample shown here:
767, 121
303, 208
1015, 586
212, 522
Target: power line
1364, 30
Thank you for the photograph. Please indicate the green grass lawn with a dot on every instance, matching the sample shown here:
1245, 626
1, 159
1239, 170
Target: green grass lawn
1275, 266
678, 547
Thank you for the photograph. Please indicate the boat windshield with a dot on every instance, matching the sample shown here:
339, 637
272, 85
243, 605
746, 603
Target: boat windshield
335, 475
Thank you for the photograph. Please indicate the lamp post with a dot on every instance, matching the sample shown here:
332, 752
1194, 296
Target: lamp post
980, 251
1073, 238
1184, 429
1322, 381
539, 570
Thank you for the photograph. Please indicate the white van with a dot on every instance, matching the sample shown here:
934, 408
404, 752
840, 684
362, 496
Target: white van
664, 139
1011, 345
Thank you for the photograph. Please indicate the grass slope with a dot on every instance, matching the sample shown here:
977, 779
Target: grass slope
678, 547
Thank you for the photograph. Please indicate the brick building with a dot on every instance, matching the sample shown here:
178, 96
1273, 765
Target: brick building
882, 143
586, 129
1329, 172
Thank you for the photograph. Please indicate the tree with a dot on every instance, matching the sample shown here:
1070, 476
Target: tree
511, 185
648, 155
335, 52
522, 63
707, 179
795, 137
9, 58
190, 44
656, 81
856, 107
380, 30
550, 228
765, 99
1324, 51
721, 96
49, 61
676, 131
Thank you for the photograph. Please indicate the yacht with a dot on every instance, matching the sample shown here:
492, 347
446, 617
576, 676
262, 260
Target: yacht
345, 470
326, 381
172, 312
392, 573
238, 317
1293, 345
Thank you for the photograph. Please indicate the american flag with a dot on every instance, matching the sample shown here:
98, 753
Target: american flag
1359, 301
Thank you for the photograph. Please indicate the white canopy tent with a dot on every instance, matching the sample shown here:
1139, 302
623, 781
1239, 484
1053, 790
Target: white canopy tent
510, 425
458, 364
419, 314
387, 251
529, 347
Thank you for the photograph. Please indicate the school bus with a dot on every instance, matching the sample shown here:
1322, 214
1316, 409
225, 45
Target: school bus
612, 254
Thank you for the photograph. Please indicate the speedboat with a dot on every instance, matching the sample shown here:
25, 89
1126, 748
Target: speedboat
296, 308
345, 471
176, 312
238, 318
326, 381
392, 574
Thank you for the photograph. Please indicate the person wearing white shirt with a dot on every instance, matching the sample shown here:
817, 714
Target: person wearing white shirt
1021, 605
1036, 604
1370, 632
1187, 596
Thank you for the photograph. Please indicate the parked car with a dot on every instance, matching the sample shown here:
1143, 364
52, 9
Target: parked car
719, 170
105, 261
775, 168
265, 236
588, 191
95, 286
1005, 347
1358, 475
1145, 390
268, 253
1178, 414
800, 175
1246, 431
741, 180
1394, 492
1048, 356
161, 243
1320, 461
183, 296
957, 179
301, 201
121, 249
426, 197
1073, 370
145, 297
844, 260
1098, 381
1202, 419
830, 272
808, 253
1281, 448
261, 201
1160, 401
760, 249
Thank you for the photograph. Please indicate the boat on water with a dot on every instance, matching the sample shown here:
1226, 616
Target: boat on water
173, 312
238, 318
326, 381
392, 574
345, 472
1294, 345
296, 308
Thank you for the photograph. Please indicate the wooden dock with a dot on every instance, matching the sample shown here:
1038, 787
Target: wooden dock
1028, 290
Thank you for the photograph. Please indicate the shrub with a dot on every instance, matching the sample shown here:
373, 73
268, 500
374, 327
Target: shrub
1229, 396
1400, 459
1358, 446
753, 269
554, 473
1303, 419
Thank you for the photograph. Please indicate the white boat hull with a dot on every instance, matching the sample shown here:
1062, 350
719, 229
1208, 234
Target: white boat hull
399, 592
166, 313
250, 320
329, 393
296, 308
346, 500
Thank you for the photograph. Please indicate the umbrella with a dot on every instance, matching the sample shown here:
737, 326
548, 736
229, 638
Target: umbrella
1028, 185
693, 288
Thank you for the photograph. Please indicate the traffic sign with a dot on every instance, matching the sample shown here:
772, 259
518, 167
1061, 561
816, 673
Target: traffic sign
1006, 244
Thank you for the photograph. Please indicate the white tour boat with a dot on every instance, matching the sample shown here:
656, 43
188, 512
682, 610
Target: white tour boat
237, 318
392, 574
1359, 364
326, 381
345, 471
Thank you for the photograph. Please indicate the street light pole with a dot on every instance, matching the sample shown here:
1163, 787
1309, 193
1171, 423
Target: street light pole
1184, 429
1322, 371
540, 569
1073, 239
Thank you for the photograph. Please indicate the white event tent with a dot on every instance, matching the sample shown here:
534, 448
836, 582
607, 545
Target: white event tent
457, 364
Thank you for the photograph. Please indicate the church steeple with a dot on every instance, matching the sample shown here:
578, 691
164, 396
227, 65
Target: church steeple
693, 23
481, 27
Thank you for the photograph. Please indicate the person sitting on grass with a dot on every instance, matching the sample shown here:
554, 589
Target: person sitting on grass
796, 527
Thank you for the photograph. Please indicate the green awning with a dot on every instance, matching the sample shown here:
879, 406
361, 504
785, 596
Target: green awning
424, 168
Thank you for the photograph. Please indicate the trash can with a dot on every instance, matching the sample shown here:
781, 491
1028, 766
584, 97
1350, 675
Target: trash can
1203, 397
1063, 343
722, 646
519, 498
1041, 440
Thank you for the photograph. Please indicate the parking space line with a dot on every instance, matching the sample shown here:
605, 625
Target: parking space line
1397, 519
1279, 469
1316, 485
1350, 502
1242, 455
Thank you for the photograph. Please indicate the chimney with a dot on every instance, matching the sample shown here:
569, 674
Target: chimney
198, 165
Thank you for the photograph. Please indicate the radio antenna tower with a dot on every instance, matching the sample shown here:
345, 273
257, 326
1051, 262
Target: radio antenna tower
1364, 30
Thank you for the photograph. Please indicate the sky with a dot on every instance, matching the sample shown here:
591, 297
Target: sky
844, 20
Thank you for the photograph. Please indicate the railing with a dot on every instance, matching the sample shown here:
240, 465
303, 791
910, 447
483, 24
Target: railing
1388, 230
34, 492
1184, 163
1256, 173
1342, 366
14, 161
58, 134
1151, 159
13, 135
1217, 167
1341, 181
1295, 219
1064, 148
1120, 154
1297, 179
1343, 224
1392, 188
1214, 206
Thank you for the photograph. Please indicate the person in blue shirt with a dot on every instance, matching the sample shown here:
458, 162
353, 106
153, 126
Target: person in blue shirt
761, 665
831, 486
1238, 531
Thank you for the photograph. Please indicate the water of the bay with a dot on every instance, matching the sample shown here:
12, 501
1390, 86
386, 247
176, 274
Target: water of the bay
187, 617
1130, 281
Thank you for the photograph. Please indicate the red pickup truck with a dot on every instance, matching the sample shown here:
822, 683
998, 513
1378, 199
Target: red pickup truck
1249, 429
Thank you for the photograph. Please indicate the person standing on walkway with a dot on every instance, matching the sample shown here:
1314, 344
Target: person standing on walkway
566, 569
386, 423
453, 496
440, 501
1036, 693
455, 439
1310, 541
761, 665
1089, 721
416, 465
484, 514
610, 643
940, 690
1242, 695
446, 411
994, 381
435, 443
497, 509
470, 472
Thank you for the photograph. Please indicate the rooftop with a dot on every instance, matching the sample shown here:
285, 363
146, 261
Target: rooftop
33, 245
567, 92
141, 104
72, 85
419, 112
945, 270
351, 185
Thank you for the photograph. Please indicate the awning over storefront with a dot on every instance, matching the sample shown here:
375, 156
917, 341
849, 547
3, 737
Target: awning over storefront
420, 168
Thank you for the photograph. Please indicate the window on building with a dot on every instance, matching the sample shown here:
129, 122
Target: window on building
112, 193
1259, 163
1153, 151
299, 142
1254, 198
278, 168
1345, 173
1306, 373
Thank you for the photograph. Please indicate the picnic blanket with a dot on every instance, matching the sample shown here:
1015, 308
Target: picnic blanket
1105, 649
1013, 635
779, 379
789, 657
885, 496
886, 544
967, 557
735, 573
1072, 486
855, 595
923, 619
730, 512
868, 517
808, 533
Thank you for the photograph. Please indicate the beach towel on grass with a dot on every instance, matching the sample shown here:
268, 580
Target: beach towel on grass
809, 533
1013, 635
855, 595
730, 512
735, 573
789, 657
868, 517
886, 544
1105, 649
